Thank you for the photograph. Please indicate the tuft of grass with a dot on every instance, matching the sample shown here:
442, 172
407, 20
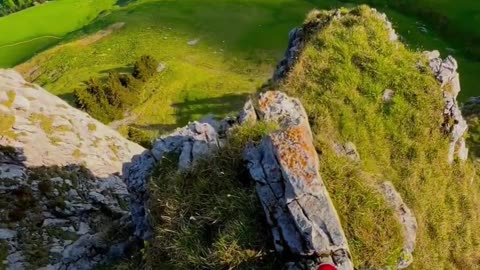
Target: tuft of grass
92, 127
77, 154
3, 254
45, 122
11, 98
209, 217
6, 123
340, 78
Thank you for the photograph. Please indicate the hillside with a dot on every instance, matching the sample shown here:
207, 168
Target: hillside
383, 119
353, 153
208, 60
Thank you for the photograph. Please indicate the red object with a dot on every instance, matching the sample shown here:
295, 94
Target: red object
326, 267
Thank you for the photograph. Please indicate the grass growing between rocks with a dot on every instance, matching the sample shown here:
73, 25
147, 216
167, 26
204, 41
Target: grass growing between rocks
209, 217
340, 78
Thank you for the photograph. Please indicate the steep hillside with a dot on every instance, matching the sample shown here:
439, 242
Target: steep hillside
357, 86
27, 32
390, 140
211, 60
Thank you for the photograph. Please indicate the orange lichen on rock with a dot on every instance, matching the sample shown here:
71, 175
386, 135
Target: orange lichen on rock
296, 152
266, 100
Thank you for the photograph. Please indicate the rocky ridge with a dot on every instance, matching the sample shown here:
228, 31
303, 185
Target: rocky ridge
51, 132
64, 205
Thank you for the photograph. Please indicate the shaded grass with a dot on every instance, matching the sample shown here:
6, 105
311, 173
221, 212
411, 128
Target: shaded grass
340, 78
209, 217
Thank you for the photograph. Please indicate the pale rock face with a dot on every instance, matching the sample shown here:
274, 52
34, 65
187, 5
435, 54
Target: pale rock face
296, 203
191, 143
407, 220
51, 132
445, 71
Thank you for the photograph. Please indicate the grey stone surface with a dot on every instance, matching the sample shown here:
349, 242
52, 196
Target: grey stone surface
454, 125
101, 149
190, 143
6, 234
408, 221
348, 150
388, 95
296, 203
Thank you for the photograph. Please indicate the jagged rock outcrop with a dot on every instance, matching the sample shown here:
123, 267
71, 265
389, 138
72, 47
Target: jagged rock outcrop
64, 206
407, 220
298, 37
285, 168
454, 125
60, 217
190, 143
51, 132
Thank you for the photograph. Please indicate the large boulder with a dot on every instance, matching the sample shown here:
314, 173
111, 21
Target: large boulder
285, 167
60, 189
51, 132
190, 143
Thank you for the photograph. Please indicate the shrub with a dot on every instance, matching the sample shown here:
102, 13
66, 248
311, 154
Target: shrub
109, 99
145, 68
139, 136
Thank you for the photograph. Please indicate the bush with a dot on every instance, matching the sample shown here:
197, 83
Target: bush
145, 68
109, 99
139, 136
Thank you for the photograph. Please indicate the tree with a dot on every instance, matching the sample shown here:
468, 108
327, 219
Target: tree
145, 68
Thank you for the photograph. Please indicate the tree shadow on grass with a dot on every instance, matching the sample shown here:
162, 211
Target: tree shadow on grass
195, 109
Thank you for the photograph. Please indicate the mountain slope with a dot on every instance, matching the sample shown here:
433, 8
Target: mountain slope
341, 77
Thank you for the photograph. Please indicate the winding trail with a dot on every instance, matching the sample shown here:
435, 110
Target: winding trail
27, 41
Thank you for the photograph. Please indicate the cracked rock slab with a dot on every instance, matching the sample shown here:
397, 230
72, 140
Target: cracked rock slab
296, 203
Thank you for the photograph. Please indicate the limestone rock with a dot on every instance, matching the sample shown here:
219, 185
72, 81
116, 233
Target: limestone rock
408, 221
51, 132
296, 203
388, 95
348, 150
191, 143
247, 114
454, 125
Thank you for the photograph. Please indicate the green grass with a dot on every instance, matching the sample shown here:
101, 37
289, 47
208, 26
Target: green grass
456, 21
340, 79
209, 217
239, 44
24, 33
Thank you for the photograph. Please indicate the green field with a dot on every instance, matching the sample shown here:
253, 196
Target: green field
24, 33
239, 43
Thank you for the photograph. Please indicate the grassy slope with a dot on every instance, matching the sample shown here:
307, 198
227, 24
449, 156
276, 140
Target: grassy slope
239, 44
42, 26
450, 24
340, 79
